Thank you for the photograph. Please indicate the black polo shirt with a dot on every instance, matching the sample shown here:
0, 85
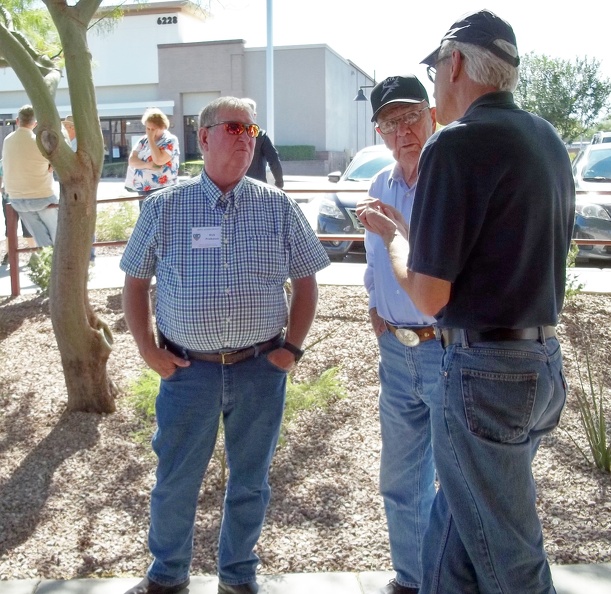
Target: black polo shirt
493, 214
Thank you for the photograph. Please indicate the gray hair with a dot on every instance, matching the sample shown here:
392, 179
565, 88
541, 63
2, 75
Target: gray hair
208, 115
482, 66
26, 115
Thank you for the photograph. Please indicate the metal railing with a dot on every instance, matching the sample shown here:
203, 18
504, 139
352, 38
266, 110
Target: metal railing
12, 220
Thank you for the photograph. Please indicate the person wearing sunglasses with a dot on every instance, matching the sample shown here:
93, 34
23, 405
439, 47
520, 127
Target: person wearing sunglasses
221, 246
409, 354
488, 240
265, 152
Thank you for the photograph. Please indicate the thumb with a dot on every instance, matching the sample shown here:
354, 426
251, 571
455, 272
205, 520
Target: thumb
181, 362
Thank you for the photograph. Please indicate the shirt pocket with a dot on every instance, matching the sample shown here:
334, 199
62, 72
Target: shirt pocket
264, 256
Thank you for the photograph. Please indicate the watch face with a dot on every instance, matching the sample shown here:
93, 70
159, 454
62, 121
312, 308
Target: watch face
407, 337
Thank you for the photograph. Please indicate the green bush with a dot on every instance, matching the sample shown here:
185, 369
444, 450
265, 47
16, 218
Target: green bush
191, 168
40, 269
572, 286
115, 169
115, 222
317, 393
592, 411
297, 152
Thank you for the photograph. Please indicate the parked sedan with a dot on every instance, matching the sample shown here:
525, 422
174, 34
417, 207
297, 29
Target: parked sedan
592, 173
337, 210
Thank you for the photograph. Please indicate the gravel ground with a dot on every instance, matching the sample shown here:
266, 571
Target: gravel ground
74, 488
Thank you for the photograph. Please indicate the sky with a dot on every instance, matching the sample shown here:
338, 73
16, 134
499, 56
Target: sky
390, 37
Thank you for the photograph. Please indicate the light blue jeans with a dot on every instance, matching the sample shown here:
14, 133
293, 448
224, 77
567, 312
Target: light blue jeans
40, 220
250, 397
484, 536
408, 383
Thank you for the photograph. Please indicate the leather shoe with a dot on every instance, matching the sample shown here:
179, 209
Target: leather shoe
147, 586
250, 588
393, 587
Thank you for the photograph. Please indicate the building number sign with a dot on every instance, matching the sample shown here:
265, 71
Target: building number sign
169, 20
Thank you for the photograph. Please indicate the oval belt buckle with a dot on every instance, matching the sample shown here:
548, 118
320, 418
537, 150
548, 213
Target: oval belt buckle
407, 337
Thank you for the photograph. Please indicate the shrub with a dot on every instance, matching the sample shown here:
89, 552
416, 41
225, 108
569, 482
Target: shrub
572, 286
39, 267
317, 393
297, 152
115, 222
115, 169
592, 411
191, 168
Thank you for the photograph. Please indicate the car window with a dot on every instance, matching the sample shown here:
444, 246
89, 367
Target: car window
598, 166
366, 170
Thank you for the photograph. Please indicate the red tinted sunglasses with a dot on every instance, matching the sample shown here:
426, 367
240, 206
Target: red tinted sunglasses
238, 128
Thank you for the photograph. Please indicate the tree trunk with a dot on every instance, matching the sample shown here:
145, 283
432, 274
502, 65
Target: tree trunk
84, 340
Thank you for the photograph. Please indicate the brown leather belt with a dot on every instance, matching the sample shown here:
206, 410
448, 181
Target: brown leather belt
460, 335
422, 332
225, 357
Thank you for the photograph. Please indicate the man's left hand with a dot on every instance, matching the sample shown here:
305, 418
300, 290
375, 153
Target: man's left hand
282, 358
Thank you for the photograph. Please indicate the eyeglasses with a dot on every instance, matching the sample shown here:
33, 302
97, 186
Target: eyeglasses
411, 118
431, 71
238, 128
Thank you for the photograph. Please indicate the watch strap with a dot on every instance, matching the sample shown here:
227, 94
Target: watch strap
297, 352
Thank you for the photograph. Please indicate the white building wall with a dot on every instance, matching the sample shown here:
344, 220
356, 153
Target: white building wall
144, 61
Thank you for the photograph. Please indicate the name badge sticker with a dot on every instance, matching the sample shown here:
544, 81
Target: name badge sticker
205, 237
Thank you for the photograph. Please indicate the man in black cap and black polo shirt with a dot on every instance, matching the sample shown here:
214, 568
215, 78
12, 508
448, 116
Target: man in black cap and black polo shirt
489, 235
409, 354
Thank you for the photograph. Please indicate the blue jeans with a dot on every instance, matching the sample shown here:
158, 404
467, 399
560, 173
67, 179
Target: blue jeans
484, 535
40, 220
408, 384
250, 397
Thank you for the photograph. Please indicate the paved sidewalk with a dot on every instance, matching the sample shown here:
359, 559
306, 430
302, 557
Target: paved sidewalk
568, 579
106, 274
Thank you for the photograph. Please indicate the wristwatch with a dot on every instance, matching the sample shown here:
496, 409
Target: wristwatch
297, 352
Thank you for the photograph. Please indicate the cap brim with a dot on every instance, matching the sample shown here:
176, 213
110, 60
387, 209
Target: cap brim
431, 59
412, 101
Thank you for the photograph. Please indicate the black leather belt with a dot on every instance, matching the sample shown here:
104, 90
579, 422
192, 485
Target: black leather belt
225, 357
460, 335
411, 335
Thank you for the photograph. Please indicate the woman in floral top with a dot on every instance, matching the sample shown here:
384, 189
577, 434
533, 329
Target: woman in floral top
153, 164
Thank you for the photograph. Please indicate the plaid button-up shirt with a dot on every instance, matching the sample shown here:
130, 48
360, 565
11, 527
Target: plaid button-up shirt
221, 261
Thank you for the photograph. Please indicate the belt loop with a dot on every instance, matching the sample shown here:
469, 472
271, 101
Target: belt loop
465, 338
541, 335
256, 347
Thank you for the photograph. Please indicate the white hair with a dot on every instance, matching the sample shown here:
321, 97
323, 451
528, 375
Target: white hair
482, 66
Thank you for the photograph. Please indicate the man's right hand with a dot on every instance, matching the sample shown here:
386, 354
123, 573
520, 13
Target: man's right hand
377, 323
163, 361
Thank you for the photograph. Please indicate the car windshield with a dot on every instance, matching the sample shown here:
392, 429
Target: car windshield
365, 170
597, 166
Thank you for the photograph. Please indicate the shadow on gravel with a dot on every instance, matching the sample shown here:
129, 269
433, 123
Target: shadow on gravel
14, 311
24, 493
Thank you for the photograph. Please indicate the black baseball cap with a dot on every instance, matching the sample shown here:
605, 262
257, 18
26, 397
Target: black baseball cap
481, 28
397, 89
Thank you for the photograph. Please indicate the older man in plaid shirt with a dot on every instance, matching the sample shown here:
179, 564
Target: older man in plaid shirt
221, 247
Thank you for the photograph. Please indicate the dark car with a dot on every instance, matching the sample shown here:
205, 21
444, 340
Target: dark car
592, 173
336, 214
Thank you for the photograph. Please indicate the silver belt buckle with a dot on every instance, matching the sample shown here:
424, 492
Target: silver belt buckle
407, 337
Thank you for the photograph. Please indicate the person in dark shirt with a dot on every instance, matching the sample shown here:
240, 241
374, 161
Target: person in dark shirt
265, 152
488, 238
